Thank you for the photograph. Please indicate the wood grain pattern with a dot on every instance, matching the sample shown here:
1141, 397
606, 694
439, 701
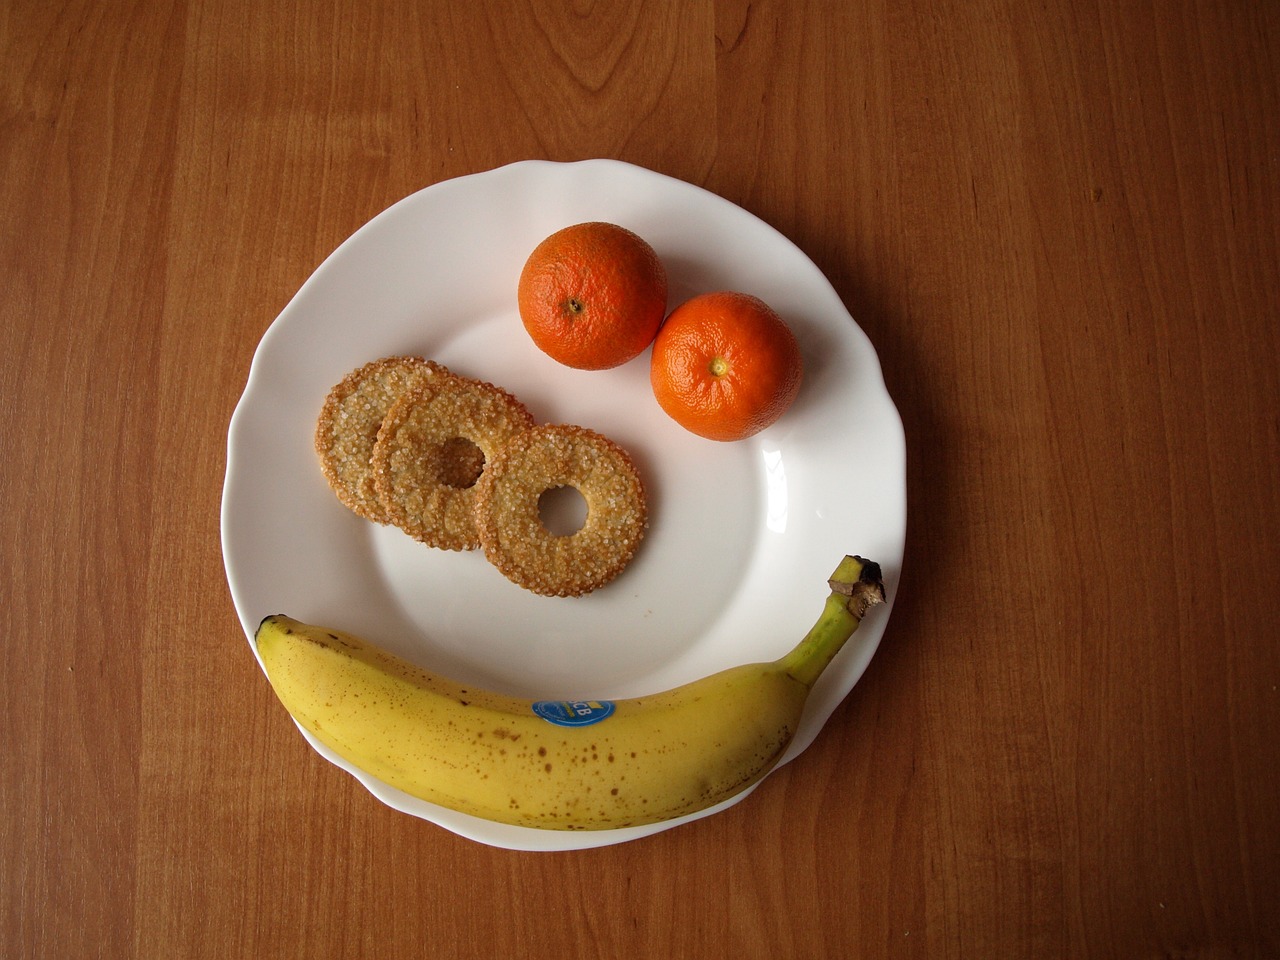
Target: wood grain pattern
1059, 224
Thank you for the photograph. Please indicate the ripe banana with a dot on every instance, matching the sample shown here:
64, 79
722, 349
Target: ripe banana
568, 765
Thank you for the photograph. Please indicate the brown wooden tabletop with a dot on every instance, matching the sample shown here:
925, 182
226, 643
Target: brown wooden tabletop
1059, 225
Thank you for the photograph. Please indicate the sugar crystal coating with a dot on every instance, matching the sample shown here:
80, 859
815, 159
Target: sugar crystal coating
348, 426
431, 447
511, 529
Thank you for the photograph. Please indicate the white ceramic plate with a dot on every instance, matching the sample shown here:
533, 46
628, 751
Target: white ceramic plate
742, 536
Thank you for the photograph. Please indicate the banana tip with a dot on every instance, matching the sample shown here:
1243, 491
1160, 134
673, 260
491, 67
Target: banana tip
860, 581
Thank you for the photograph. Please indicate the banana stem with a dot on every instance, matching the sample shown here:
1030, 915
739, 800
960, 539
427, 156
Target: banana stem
855, 586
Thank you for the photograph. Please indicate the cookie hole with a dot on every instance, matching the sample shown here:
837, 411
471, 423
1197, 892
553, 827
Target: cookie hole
459, 463
563, 511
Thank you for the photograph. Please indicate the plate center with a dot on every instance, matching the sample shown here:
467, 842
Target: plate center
707, 504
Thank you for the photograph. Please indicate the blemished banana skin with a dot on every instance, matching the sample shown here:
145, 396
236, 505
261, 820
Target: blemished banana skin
560, 765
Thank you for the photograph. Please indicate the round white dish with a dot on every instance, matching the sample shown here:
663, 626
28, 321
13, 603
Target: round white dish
742, 536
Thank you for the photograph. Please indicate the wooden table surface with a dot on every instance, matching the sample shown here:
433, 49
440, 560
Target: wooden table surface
1058, 223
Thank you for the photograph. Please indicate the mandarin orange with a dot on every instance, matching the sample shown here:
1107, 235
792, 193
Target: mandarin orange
725, 366
592, 295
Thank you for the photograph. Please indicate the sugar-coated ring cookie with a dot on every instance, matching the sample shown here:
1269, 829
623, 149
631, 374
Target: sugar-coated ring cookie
512, 533
349, 421
429, 451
